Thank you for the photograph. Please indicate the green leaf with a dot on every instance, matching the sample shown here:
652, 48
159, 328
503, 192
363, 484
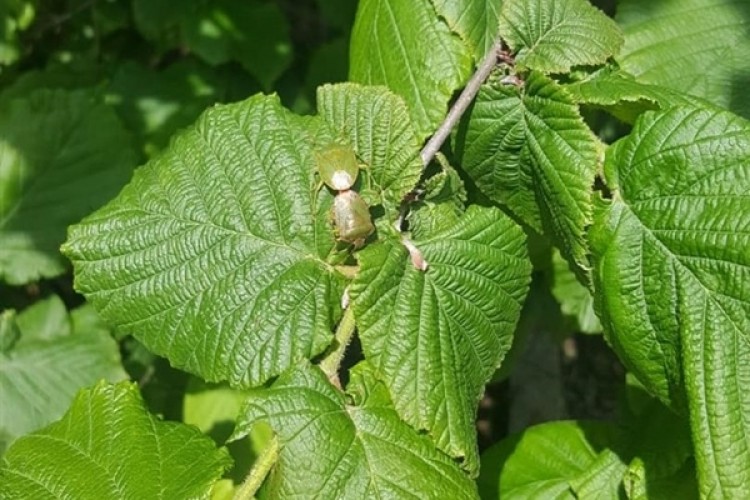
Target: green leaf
62, 155
436, 337
9, 333
154, 104
76, 75
214, 409
530, 149
45, 367
44, 320
333, 447
672, 272
108, 446
158, 20
86, 319
554, 35
642, 458
251, 32
377, 124
214, 255
329, 63
699, 47
555, 460
10, 49
576, 301
441, 204
403, 45
682, 484
476, 21
624, 97
662, 450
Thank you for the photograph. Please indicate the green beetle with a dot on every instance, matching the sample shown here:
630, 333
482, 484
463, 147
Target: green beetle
338, 169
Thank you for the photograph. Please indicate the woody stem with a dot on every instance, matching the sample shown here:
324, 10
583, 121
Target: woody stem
461, 105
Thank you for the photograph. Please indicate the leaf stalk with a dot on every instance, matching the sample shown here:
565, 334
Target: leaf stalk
344, 333
259, 471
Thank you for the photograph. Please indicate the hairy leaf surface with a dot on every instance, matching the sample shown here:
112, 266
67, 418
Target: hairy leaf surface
403, 45
108, 446
213, 255
334, 446
530, 150
554, 35
700, 47
436, 337
672, 272
62, 155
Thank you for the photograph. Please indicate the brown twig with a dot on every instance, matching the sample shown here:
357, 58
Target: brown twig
57, 20
462, 103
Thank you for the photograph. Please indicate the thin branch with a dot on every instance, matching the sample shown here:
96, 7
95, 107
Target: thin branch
56, 21
260, 470
462, 103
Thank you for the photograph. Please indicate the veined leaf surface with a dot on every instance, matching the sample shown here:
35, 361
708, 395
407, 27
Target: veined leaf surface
436, 337
348, 446
404, 45
108, 446
552, 36
672, 270
530, 149
214, 254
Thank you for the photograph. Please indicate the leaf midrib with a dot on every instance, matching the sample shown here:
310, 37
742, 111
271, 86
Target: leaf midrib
106, 473
707, 292
190, 223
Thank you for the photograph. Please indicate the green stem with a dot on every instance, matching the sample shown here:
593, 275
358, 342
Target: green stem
331, 363
259, 471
